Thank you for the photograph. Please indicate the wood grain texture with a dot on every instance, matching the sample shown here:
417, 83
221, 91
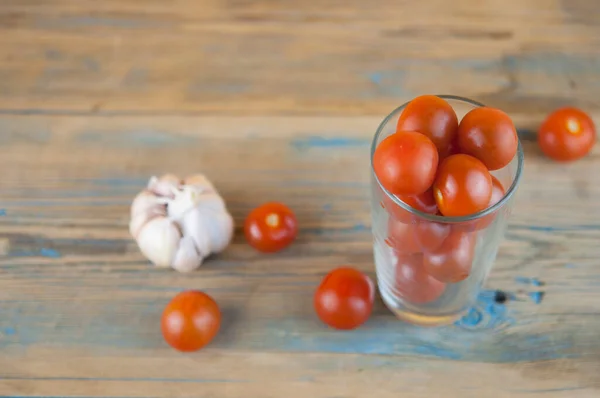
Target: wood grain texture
289, 57
81, 306
279, 100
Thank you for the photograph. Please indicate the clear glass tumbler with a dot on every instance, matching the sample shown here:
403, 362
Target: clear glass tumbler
408, 243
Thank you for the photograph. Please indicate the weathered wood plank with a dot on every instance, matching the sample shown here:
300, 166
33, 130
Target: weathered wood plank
74, 288
266, 375
265, 57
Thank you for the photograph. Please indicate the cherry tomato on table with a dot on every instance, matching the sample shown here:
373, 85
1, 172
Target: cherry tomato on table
405, 163
432, 116
413, 283
452, 261
344, 299
271, 227
567, 134
190, 321
489, 135
463, 186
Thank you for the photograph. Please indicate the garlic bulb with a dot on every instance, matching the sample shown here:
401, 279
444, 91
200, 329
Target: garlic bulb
178, 223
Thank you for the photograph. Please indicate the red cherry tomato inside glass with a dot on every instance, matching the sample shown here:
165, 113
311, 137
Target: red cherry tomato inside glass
452, 150
190, 321
424, 202
344, 299
413, 283
431, 235
271, 227
489, 135
432, 116
405, 163
463, 186
452, 261
402, 236
567, 134
497, 194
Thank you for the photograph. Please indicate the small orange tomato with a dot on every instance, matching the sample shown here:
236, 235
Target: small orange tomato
405, 163
463, 186
567, 134
271, 227
489, 135
452, 261
344, 298
432, 116
402, 236
424, 202
430, 235
412, 283
190, 321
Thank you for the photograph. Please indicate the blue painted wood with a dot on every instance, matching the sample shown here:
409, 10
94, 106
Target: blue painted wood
72, 280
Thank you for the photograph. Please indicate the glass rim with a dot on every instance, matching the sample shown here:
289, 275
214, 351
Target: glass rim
444, 219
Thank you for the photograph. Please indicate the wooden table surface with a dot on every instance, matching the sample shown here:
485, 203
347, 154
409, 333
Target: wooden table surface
278, 100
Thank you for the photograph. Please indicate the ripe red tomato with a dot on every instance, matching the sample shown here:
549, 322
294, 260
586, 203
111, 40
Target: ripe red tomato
405, 163
497, 194
489, 135
190, 321
452, 149
271, 227
402, 236
424, 202
567, 134
452, 261
344, 299
463, 186
432, 116
430, 235
413, 283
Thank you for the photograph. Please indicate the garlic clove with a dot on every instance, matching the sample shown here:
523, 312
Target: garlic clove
211, 230
199, 181
145, 207
194, 225
185, 199
187, 257
137, 223
147, 202
165, 185
158, 240
220, 231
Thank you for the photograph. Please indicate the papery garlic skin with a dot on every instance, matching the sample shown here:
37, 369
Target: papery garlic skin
178, 223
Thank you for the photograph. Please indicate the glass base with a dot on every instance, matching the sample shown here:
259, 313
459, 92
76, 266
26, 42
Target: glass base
428, 320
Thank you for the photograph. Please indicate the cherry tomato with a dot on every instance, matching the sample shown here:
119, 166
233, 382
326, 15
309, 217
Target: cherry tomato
405, 163
489, 135
430, 235
567, 134
452, 261
463, 186
497, 195
432, 116
271, 227
451, 150
190, 321
402, 236
344, 299
424, 202
413, 283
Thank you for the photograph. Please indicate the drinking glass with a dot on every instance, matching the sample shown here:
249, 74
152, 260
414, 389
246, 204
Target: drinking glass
408, 243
